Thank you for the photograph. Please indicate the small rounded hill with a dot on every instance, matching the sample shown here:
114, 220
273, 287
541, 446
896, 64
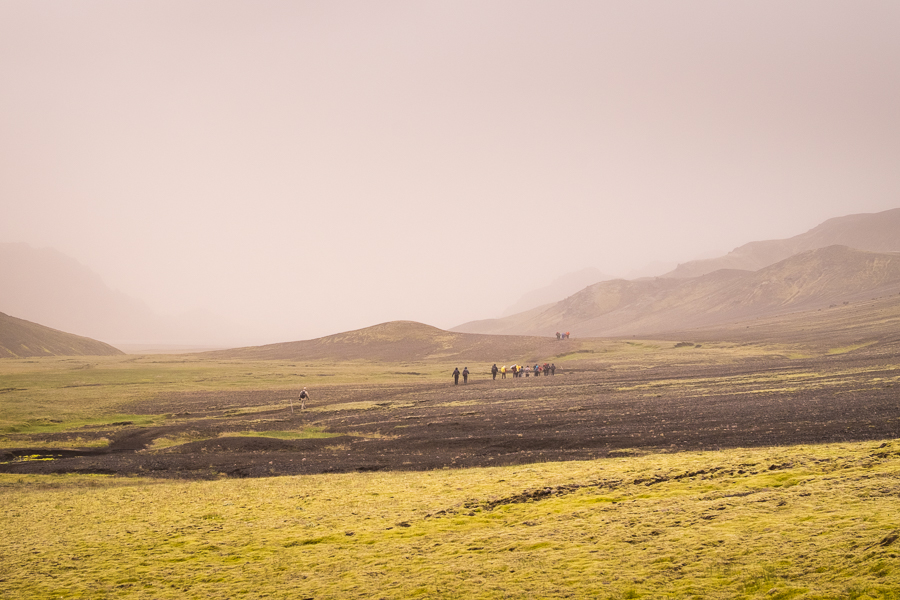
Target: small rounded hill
403, 341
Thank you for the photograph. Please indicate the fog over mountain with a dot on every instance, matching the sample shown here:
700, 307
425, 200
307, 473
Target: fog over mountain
280, 170
557, 289
759, 279
879, 232
47, 287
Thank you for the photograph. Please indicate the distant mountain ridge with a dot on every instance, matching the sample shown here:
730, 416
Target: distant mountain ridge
22, 339
706, 292
813, 279
559, 288
875, 232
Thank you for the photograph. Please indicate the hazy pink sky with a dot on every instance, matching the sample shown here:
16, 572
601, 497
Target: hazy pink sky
314, 167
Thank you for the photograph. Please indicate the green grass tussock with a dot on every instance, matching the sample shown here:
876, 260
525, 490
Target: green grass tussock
304, 434
795, 522
162, 443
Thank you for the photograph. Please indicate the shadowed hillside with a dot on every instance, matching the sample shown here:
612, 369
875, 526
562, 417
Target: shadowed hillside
405, 341
876, 232
809, 280
20, 338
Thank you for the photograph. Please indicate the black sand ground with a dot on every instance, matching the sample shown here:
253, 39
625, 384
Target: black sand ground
576, 414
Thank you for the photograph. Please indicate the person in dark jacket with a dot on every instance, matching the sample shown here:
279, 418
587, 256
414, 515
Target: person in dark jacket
456, 376
494, 371
466, 375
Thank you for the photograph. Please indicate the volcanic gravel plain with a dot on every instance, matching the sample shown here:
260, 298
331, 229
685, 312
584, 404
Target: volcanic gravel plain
591, 408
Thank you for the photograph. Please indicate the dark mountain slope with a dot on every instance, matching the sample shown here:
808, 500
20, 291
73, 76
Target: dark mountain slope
20, 338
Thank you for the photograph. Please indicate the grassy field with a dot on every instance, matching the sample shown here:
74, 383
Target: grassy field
794, 522
56, 394
63, 393
816, 521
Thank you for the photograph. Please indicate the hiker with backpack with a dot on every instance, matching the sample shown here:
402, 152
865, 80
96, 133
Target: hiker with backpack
304, 396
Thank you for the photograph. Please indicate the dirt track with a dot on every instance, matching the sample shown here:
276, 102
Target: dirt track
573, 415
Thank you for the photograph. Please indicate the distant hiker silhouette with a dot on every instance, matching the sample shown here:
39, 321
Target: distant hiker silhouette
456, 376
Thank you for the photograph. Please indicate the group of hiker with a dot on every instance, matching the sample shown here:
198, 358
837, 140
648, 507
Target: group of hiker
520, 370
515, 370
562, 336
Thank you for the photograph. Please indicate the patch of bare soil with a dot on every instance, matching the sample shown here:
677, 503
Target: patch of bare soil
591, 413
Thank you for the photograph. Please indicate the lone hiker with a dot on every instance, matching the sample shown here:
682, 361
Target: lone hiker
456, 376
466, 375
494, 370
304, 396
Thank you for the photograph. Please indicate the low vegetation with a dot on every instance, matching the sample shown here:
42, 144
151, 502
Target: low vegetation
793, 522
810, 521
64, 393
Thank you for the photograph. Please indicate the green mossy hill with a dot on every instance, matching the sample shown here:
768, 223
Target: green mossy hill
20, 338
403, 341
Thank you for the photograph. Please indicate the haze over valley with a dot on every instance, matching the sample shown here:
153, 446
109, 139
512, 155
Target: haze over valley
239, 174
811, 271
